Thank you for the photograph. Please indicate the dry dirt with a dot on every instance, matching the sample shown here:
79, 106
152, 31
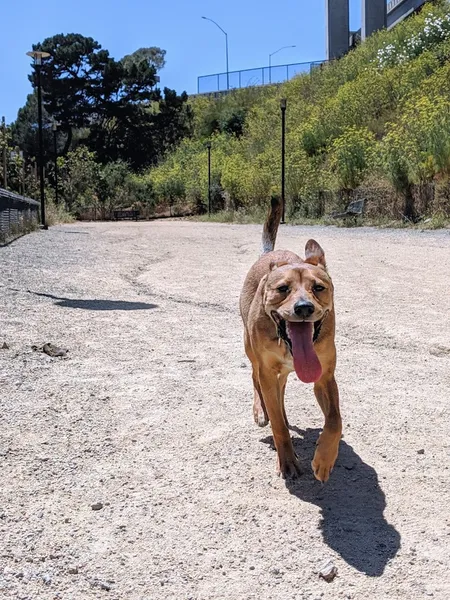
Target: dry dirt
149, 421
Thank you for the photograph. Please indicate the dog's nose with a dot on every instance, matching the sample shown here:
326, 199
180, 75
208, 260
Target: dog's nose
303, 308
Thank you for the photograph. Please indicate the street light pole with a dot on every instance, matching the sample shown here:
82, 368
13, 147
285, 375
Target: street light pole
270, 60
283, 155
228, 70
38, 56
208, 146
5, 162
226, 47
55, 156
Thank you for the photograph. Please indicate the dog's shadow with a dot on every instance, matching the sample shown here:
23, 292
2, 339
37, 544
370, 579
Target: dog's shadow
352, 504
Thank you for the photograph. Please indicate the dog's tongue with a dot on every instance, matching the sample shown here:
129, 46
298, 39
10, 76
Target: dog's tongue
306, 364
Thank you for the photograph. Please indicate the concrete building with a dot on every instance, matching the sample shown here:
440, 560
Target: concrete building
375, 15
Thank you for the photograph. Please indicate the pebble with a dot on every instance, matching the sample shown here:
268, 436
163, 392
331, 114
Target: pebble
97, 506
328, 570
103, 585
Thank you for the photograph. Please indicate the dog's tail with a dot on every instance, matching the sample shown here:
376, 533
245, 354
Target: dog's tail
271, 225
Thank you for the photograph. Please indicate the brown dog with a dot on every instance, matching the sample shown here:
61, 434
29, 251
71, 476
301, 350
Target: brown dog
287, 308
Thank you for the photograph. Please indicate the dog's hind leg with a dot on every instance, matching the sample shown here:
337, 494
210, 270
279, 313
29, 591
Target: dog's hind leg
259, 408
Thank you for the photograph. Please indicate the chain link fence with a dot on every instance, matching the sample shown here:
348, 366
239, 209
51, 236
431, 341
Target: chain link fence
210, 84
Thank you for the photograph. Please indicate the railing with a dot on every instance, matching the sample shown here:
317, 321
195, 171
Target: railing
392, 4
17, 215
209, 84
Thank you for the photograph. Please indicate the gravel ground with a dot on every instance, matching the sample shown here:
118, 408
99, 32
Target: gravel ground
131, 469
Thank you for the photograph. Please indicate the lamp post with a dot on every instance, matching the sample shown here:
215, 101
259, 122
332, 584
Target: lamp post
5, 148
37, 56
55, 156
270, 60
283, 153
208, 146
226, 47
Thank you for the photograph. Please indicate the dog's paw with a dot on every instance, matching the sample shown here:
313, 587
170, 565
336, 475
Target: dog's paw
260, 416
289, 467
323, 461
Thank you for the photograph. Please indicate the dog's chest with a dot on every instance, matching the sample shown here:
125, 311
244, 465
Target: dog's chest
285, 356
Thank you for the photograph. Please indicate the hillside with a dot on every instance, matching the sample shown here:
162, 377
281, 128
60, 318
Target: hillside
376, 122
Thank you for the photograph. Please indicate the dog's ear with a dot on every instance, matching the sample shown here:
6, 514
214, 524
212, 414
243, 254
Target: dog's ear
262, 286
274, 264
314, 255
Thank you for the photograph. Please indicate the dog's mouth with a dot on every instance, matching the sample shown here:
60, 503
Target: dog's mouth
299, 337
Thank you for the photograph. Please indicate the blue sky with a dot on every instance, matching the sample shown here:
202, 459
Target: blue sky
194, 47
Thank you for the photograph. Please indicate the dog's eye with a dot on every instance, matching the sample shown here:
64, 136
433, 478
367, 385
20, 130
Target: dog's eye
283, 289
318, 288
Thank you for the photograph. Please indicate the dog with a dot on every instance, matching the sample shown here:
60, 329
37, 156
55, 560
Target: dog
287, 308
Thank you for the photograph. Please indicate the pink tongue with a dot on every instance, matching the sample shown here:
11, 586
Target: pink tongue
306, 364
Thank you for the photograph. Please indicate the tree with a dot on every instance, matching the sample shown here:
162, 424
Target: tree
153, 56
79, 174
125, 117
24, 130
141, 134
82, 84
172, 120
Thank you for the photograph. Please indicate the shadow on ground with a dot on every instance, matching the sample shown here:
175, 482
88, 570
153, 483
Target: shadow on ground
352, 505
96, 304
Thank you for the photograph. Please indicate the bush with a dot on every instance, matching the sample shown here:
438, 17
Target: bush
381, 113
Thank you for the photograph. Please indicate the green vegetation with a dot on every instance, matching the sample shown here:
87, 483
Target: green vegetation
376, 123
112, 122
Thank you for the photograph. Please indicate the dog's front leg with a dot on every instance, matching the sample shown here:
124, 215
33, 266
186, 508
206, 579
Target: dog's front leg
272, 390
327, 395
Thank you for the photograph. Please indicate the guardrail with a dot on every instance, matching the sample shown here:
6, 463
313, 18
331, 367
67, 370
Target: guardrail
209, 84
17, 215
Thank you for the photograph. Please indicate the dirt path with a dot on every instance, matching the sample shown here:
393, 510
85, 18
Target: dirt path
150, 416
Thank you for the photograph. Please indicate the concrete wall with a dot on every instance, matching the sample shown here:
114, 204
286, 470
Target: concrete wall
337, 24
